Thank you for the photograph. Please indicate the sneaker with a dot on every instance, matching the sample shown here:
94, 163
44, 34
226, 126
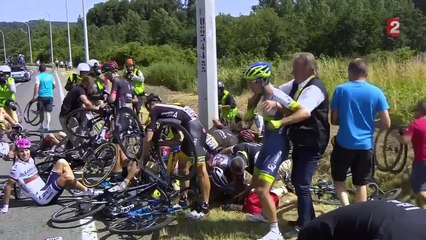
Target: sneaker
183, 202
293, 233
194, 215
88, 193
256, 218
205, 208
271, 235
119, 187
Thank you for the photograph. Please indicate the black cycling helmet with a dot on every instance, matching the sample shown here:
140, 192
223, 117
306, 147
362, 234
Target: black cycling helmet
220, 85
152, 97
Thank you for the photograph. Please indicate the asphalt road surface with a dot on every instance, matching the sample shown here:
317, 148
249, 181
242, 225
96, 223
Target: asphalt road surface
27, 221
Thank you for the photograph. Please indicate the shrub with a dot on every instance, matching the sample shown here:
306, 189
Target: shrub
174, 75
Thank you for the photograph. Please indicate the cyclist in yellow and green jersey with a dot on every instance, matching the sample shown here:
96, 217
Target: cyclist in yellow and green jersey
7, 92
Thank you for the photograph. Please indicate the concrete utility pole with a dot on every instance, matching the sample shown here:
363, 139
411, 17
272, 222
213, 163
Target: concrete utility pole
86, 40
207, 62
69, 34
29, 42
4, 47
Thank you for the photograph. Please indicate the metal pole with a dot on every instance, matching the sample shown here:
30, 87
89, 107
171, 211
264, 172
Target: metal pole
29, 42
86, 40
207, 63
51, 40
4, 48
69, 35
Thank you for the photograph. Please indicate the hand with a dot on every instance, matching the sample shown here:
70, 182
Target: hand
33, 100
268, 105
402, 131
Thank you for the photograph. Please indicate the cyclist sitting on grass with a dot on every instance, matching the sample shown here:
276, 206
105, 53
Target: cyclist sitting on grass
25, 174
189, 120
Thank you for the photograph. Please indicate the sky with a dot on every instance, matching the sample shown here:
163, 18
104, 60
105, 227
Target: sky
25, 10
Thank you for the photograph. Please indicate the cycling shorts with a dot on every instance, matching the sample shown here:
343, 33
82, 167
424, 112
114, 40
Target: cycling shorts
50, 192
198, 134
274, 151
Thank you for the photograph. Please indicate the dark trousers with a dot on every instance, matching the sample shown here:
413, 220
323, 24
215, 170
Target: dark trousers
305, 161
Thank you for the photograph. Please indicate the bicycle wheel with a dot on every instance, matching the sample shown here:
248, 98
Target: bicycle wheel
99, 164
128, 132
392, 194
137, 225
77, 210
34, 113
392, 150
44, 168
177, 128
379, 160
85, 123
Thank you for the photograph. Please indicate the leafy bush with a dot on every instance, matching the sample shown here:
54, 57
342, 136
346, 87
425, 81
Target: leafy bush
173, 75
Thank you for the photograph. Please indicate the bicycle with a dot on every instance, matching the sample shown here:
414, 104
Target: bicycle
394, 154
34, 113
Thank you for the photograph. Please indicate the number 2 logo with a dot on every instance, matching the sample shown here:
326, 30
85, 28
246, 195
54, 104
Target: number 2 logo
392, 27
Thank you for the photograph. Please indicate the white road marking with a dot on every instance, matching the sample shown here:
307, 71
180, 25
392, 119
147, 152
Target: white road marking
61, 90
88, 230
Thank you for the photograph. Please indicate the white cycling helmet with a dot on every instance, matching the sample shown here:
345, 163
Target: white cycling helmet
5, 69
83, 68
93, 62
218, 177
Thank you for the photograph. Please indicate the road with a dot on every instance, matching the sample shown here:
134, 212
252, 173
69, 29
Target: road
27, 221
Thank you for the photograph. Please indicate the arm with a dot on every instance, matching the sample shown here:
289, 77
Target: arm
299, 115
36, 88
113, 95
228, 150
87, 103
334, 117
139, 77
12, 87
384, 121
406, 135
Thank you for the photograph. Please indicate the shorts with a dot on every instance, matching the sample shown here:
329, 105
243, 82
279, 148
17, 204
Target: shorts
47, 103
274, 151
50, 192
418, 176
359, 161
198, 134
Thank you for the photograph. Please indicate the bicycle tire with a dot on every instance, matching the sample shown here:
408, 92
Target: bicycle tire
392, 194
56, 215
74, 126
388, 137
94, 161
156, 140
127, 125
44, 168
379, 162
162, 223
37, 118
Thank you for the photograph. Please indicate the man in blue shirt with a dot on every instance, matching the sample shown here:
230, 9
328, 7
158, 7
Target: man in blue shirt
354, 107
45, 83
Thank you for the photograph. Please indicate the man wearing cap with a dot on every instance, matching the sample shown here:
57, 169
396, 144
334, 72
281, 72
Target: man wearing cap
354, 107
416, 133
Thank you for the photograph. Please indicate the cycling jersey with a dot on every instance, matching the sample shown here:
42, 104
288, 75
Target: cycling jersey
189, 120
124, 92
251, 151
7, 91
46, 84
375, 220
25, 173
218, 139
72, 100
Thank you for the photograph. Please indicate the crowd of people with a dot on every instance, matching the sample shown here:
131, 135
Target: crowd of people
295, 115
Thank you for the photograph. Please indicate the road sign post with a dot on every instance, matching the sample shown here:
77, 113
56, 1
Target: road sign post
207, 62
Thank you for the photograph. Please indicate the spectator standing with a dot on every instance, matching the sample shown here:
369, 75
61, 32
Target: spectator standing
45, 83
309, 133
416, 133
354, 107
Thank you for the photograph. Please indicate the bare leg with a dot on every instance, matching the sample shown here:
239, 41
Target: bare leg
360, 194
67, 178
342, 193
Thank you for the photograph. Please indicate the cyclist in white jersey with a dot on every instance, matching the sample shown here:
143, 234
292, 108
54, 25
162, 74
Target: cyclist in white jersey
25, 174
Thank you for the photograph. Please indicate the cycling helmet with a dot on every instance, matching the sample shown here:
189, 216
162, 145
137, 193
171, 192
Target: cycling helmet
238, 163
93, 63
130, 62
110, 66
218, 177
83, 68
23, 143
152, 97
247, 136
220, 85
258, 70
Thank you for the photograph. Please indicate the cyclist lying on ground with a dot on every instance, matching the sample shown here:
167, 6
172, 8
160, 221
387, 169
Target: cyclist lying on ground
25, 174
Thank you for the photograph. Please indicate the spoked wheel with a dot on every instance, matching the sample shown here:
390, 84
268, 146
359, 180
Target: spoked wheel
85, 123
34, 113
150, 213
128, 132
99, 164
44, 168
141, 225
183, 137
77, 210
